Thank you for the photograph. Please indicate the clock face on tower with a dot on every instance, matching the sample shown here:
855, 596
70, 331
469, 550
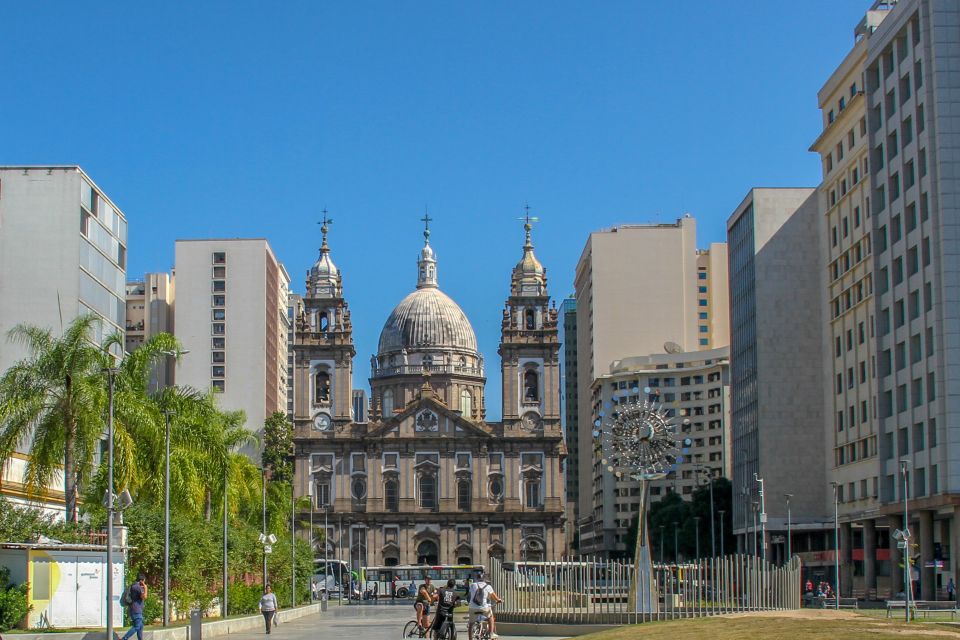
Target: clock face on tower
531, 421
322, 422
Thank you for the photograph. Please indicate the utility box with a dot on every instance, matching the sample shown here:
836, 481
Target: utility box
196, 624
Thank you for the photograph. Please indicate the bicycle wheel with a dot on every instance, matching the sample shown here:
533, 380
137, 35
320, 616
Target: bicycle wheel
411, 630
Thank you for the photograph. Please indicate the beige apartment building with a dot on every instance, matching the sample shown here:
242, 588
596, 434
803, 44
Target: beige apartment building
849, 348
231, 315
694, 389
149, 312
641, 290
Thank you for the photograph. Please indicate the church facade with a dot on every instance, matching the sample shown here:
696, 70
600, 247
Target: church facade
427, 480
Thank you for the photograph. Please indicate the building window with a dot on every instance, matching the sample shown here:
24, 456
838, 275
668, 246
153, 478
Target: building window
219, 357
391, 495
531, 386
219, 285
428, 491
219, 343
219, 314
219, 272
463, 494
219, 257
321, 390
218, 386
359, 488
531, 320
532, 493
219, 300
387, 402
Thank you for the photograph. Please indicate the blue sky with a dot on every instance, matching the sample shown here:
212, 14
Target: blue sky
242, 119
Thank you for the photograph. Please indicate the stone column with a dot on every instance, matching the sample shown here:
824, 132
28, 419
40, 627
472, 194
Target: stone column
846, 560
896, 557
870, 558
928, 587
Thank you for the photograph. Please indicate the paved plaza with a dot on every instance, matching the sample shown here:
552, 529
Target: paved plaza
354, 622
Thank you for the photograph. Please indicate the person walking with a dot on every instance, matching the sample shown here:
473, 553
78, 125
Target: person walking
951, 590
134, 598
268, 607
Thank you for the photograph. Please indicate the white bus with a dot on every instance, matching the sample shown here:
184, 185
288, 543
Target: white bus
338, 579
402, 581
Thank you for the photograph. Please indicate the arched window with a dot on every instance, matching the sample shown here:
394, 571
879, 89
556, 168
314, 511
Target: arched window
387, 403
531, 491
428, 491
531, 386
531, 319
466, 404
428, 553
324, 322
463, 495
391, 495
321, 391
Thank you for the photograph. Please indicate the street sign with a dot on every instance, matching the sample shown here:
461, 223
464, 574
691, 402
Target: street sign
901, 545
936, 564
267, 548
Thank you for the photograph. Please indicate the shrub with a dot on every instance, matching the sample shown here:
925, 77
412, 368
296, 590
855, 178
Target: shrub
244, 599
13, 602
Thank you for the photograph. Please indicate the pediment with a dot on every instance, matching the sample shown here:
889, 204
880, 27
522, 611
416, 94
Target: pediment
427, 418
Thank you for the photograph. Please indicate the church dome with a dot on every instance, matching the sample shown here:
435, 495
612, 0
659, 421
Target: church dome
323, 279
427, 319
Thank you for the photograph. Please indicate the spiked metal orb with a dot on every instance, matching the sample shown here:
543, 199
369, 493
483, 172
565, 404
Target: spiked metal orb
639, 442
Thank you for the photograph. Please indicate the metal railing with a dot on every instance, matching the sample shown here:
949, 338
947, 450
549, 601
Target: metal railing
597, 591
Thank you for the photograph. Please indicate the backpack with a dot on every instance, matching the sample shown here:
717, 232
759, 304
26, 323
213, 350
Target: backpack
478, 594
127, 599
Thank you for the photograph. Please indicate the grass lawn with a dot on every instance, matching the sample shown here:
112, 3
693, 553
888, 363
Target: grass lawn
786, 625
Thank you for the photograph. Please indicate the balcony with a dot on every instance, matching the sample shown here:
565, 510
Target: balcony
418, 369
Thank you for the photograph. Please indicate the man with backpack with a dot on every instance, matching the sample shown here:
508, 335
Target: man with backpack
133, 598
481, 600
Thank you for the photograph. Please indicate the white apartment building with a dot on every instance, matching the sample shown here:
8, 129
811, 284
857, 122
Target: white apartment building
63, 252
694, 389
640, 290
776, 325
912, 79
231, 314
149, 312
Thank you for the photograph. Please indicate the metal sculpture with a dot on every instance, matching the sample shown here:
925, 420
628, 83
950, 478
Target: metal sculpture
639, 442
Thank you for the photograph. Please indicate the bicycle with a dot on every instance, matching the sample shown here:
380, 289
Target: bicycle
413, 630
447, 630
481, 628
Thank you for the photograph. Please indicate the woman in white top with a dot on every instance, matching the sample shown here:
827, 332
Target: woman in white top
268, 606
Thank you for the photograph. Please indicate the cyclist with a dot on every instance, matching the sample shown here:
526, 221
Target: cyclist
480, 603
426, 594
447, 599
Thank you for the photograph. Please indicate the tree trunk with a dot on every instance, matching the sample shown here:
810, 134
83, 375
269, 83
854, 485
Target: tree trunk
207, 505
70, 471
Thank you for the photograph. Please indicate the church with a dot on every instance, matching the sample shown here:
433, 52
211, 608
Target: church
427, 480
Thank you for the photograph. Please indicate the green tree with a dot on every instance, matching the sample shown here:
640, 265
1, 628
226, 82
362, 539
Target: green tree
277, 447
52, 402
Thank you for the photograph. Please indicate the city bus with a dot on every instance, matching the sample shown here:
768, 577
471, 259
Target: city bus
339, 575
408, 578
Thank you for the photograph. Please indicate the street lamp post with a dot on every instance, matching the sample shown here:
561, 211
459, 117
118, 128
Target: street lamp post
326, 551
713, 537
167, 413
763, 518
836, 542
263, 493
676, 545
226, 475
696, 524
312, 548
907, 578
722, 525
111, 375
293, 545
662, 527
789, 529
756, 508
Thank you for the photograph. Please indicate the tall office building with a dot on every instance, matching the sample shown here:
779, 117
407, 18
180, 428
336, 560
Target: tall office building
62, 253
776, 325
149, 305
568, 312
231, 314
640, 290
847, 290
912, 78
694, 389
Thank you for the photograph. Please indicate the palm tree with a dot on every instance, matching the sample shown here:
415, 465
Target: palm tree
52, 402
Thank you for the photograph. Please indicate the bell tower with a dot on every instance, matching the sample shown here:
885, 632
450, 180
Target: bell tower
323, 350
530, 348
